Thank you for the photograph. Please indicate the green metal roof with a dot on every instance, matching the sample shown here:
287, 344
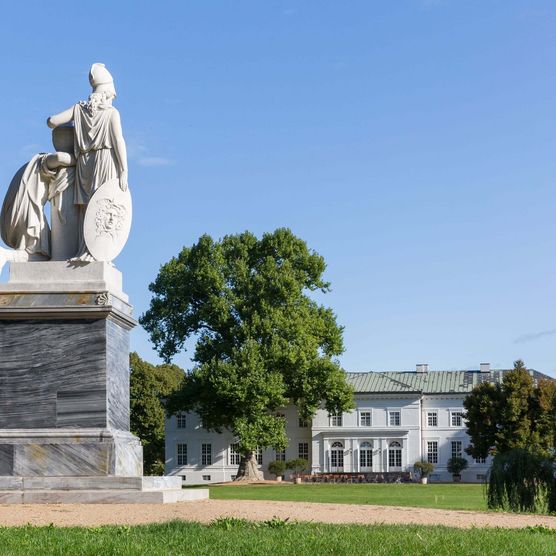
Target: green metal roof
431, 382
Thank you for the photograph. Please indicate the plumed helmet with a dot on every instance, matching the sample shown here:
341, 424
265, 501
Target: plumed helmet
101, 79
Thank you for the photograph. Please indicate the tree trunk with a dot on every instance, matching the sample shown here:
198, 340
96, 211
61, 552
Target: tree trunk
248, 469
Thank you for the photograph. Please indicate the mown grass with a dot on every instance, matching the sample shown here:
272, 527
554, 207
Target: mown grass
444, 496
231, 537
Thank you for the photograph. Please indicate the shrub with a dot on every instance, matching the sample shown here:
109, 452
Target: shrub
297, 466
277, 468
424, 467
457, 465
521, 481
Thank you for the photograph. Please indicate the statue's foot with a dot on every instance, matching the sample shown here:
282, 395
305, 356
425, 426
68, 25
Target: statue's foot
83, 258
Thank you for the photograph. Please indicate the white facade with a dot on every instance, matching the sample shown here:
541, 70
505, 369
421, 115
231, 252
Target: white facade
404, 418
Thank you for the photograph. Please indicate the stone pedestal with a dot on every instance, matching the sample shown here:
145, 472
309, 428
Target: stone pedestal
64, 384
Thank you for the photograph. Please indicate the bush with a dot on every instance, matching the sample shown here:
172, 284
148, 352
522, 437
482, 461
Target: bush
277, 468
297, 466
457, 465
424, 467
521, 481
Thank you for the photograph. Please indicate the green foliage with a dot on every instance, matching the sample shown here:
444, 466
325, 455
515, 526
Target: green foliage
521, 481
457, 465
424, 467
277, 468
512, 415
149, 384
298, 466
261, 340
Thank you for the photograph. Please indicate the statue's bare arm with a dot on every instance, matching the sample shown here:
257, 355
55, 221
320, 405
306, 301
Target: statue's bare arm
59, 159
62, 118
120, 148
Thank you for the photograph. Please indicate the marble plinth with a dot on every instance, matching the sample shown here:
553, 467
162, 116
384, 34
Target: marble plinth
96, 490
64, 372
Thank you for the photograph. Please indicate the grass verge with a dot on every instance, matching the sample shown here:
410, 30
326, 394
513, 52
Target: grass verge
231, 537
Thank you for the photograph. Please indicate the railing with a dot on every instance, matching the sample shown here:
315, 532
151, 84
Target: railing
390, 477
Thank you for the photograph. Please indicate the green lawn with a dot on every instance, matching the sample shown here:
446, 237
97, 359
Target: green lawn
446, 496
230, 537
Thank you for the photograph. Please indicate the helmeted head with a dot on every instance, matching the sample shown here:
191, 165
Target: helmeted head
101, 80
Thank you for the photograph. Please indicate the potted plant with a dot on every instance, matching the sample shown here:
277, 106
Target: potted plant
297, 466
425, 468
277, 468
456, 466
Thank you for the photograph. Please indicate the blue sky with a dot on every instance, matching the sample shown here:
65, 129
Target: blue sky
411, 143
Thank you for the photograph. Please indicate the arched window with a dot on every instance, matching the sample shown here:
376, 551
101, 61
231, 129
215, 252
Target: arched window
365, 456
395, 456
337, 457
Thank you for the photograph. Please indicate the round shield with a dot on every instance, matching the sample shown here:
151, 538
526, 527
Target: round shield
107, 221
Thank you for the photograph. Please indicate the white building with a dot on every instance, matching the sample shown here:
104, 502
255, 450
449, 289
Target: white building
399, 418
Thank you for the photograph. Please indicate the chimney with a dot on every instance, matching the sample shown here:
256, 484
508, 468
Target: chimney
485, 367
422, 368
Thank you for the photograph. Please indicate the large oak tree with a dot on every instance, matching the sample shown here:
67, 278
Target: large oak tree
262, 340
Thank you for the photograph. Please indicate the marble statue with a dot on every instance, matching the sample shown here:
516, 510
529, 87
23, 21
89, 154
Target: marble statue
90, 152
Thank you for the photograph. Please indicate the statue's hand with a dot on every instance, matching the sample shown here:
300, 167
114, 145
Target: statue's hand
123, 181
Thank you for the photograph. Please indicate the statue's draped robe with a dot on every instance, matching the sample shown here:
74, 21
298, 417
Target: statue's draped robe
94, 149
23, 224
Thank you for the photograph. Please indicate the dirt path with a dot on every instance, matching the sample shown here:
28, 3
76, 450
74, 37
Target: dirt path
206, 511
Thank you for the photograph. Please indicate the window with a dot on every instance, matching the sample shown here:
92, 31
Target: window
365, 419
481, 477
206, 477
337, 456
395, 455
336, 420
181, 451
457, 418
302, 423
480, 460
181, 420
280, 455
259, 456
235, 456
394, 418
432, 451
366, 456
206, 454
457, 450
303, 450
432, 419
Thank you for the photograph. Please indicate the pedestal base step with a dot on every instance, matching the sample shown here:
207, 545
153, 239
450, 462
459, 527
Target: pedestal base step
96, 490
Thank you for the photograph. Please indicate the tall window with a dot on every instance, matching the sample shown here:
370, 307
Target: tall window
432, 419
337, 457
336, 420
181, 420
394, 418
259, 456
432, 451
365, 419
303, 450
395, 455
366, 456
302, 423
457, 419
235, 456
206, 454
181, 452
457, 449
280, 455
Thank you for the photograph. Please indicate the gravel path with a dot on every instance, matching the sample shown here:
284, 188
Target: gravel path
206, 511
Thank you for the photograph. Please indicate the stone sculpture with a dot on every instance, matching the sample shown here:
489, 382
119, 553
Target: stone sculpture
90, 151
65, 321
